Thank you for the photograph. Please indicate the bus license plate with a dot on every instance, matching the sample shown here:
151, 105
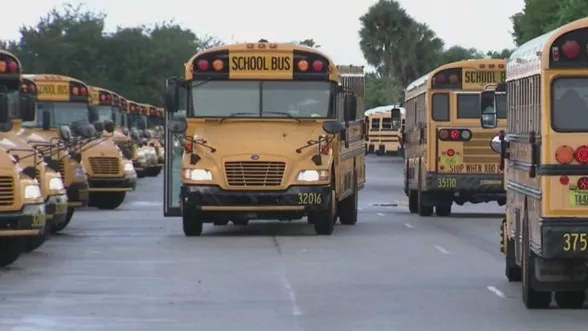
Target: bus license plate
578, 199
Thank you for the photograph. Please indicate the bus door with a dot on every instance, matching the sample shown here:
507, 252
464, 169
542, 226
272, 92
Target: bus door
172, 179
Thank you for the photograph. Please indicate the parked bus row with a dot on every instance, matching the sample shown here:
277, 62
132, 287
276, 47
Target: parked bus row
64, 145
529, 151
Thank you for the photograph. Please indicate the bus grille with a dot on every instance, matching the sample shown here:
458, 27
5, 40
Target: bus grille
6, 191
478, 149
127, 148
104, 165
254, 173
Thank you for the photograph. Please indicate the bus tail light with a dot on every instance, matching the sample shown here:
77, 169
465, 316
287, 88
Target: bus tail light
12, 67
454, 134
564, 180
440, 79
571, 49
303, 65
564, 154
318, 65
453, 79
583, 183
75, 91
203, 65
582, 154
83, 91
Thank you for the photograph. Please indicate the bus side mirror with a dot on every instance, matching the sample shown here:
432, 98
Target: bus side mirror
4, 117
488, 114
350, 108
27, 108
178, 125
171, 95
46, 120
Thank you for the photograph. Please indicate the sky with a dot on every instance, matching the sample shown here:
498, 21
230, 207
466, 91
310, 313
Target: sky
469, 23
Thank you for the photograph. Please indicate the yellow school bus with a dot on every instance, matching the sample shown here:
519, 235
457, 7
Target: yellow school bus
137, 124
545, 232
448, 155
22, 208
106, 105
156, 123
64, 101
384, 131
270, 134
152, 120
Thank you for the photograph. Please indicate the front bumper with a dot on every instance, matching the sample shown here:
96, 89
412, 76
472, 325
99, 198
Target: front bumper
483, 183
140, 164
56, 208
121, 184
27, 222
296, 199
77, 194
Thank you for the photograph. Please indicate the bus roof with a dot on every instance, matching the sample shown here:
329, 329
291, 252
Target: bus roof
252, 46
383, 109
101, 89
459, 64
51, 77
533, 56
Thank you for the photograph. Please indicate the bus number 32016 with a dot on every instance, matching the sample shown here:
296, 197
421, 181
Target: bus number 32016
310, 198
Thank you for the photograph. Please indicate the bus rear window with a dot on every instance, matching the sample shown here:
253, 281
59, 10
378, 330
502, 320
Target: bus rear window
468, 106
376, 124
386, 123
569, 105
440, 107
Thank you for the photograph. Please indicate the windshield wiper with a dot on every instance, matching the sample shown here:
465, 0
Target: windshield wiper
235, 115
283, 113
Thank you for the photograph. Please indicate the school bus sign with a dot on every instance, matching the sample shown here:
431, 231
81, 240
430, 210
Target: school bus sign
476, 78
247, 65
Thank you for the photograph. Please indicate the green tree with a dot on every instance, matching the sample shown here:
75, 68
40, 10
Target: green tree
504, 54
309, 42
459, 53
571, 10
536, 18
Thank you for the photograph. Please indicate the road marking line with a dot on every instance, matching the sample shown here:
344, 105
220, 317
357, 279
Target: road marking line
496, 291
380, 214
292, 296
441, 249
408, 225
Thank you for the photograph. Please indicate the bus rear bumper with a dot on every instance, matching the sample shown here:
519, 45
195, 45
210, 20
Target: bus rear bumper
491, 183
292, 203
564, 239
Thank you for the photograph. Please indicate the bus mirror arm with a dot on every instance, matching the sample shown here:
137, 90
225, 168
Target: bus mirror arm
171, 95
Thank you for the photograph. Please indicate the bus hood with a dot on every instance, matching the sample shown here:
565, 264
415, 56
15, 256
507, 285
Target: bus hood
249, 140
24, 151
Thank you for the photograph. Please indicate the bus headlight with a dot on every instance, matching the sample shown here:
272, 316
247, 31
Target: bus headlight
55, 184
313, 175
198, 174
129, 167
32, 192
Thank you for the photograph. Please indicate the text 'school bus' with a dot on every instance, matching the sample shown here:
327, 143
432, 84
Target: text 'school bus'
63, 100
271, 133
22, 208
448, 155
545, 153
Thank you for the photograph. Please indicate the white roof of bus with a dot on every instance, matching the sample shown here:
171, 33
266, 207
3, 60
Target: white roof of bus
525, 61
383, 109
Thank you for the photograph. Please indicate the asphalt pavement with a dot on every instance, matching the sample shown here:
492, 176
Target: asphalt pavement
132, 269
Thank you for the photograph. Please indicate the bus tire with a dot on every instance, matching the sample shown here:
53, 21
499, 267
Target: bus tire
532, 298
324, 220
422, 209
347, 208
107, 200
10, 250
59, 227
511, 269
192, 224
413, 201
570, 299
32, 243
443, 210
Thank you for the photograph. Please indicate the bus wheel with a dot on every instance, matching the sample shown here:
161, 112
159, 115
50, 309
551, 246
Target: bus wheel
570, 299
240, 222
413, 202
108, 200
153, 172
511, 270
32, 243
141, 174
324, 220
424, 210
347, 208
192, 224
443, 210
10, 250
58, 227
532, 298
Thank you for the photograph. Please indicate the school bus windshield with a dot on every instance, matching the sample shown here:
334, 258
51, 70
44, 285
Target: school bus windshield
263, 99
570, 104
62, 113
134, 120
108, 113
468, 105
